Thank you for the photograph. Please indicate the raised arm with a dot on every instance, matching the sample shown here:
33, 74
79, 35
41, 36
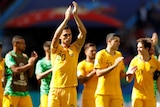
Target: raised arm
55, 40
82, 30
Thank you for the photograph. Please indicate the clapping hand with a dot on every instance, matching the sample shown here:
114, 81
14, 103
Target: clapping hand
68, 13
33, 58
75, 7
154, 38
118, 60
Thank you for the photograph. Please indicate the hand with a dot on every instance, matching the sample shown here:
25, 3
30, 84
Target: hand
154, 38
34, 55
75, 7
33, 58
131, 70
118, 60
68, 13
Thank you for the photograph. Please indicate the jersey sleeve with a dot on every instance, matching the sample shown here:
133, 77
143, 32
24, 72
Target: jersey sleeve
80, 70
133, 62
9, 60
98, 62
38, 67
122, 63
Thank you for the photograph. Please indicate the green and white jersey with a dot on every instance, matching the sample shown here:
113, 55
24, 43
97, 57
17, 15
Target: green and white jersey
9, 61
42, 66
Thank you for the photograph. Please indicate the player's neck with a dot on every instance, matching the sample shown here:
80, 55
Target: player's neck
17, 51
65, 45
145, 57
47, 56
110, 51
90, 60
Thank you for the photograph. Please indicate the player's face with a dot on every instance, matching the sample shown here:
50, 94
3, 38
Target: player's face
66, 37
47, 49
140, 48
115, 42
21, 46
91, 52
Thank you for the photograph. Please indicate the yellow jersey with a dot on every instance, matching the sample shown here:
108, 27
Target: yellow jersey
64, 66
143, 80
83, 69
109, 84
1, 74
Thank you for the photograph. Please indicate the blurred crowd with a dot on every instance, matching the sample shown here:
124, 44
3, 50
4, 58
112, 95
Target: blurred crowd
146, 23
